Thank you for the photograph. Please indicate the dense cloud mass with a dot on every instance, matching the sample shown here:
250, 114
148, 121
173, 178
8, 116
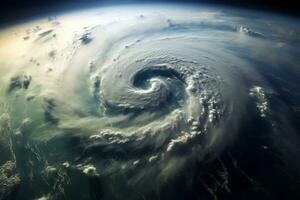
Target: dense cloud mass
154, 102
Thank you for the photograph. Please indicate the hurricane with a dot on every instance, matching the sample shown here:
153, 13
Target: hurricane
110, 103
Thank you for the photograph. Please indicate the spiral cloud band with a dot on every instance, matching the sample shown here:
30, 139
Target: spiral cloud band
129, 100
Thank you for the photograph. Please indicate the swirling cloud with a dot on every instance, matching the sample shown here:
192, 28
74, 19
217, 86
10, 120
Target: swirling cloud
121, 97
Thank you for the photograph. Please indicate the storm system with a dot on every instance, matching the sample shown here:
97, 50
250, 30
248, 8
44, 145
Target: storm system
150, 102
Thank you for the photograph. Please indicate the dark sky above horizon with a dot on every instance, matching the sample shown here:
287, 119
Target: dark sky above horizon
11, 10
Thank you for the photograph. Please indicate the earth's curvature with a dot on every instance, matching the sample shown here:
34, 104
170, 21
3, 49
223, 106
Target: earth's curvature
150, 102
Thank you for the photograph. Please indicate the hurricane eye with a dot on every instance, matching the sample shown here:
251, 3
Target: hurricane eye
159, 71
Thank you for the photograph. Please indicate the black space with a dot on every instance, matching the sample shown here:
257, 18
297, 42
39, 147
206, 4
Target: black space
11, 10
